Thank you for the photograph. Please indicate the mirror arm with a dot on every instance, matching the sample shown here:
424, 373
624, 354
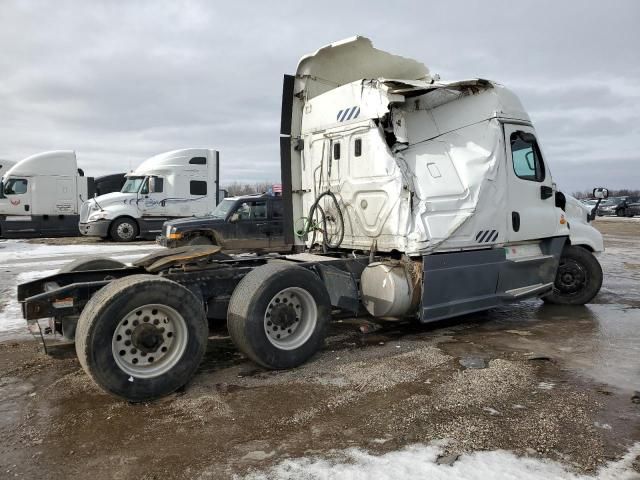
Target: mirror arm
592, 215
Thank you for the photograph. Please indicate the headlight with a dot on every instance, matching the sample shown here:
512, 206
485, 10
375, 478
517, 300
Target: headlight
97, 216
171, 233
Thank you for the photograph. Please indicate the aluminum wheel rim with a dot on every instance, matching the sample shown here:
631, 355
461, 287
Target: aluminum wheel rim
131, 343
290, 318
125, 230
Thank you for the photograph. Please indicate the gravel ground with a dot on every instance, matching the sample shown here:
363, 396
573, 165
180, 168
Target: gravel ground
542, 382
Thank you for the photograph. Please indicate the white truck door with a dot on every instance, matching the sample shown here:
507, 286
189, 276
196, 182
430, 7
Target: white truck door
531, 210
65, 202
18, 194
152, 200
200, 191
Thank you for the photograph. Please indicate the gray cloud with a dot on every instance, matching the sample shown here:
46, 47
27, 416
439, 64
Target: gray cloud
121, 81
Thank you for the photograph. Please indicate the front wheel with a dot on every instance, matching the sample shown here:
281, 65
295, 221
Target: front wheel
278, 315
621, 212
124, 230
578, 279
200, 240
142, 337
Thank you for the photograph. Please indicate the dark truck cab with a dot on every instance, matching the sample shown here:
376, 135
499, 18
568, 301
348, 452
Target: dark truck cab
250, 222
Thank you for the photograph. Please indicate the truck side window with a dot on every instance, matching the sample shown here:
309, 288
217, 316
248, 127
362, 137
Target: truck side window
198, 161
252, 211
15, 186
259, 211
357, 147
157, 185
277, 209
526, 157
336, 151
197, 187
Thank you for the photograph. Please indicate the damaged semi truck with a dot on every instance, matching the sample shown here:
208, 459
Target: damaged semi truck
405, 196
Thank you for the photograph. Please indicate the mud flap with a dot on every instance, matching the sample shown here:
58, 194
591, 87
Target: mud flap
341, 286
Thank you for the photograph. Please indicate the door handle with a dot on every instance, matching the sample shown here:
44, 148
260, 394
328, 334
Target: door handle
545, 192
515, 221
26, 208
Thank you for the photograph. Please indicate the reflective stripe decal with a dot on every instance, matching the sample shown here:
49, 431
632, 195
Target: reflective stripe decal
487, 236
349, 113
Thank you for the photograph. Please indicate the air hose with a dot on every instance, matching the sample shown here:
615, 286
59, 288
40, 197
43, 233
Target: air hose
311, 225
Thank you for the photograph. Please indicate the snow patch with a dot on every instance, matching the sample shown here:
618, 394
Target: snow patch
11, 316
12, 250
419, 462
24, 262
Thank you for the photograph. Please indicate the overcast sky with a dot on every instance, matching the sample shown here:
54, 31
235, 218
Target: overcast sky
120, 81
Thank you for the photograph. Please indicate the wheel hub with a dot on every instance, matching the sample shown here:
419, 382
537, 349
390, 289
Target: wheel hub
283, 315
147, 338
571, 277
125, 230
290, 318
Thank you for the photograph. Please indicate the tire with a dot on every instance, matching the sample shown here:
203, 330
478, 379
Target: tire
124, 229
157, 361
578, 279
303, 312
68, 324
91, 263
621, 212
200, 240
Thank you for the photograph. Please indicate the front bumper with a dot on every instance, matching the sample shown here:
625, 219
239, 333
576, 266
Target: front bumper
99, 228
165, 242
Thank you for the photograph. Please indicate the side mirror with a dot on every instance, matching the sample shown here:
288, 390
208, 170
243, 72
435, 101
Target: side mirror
234, 218
600, 193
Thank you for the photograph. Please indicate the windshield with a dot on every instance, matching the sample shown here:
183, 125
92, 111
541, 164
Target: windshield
223, 208
132, 185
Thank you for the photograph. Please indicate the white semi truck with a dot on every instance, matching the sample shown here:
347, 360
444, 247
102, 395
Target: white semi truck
180, 183
406, 197
41, 195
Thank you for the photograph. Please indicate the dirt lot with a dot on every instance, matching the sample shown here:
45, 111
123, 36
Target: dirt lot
543, 382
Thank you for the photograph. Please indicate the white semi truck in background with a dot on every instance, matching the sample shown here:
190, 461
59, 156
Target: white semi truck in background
405, 197
41, 195
176, 184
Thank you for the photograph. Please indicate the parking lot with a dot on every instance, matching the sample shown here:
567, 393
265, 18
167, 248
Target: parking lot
530, 388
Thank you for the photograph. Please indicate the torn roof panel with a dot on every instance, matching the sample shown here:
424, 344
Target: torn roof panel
349, 60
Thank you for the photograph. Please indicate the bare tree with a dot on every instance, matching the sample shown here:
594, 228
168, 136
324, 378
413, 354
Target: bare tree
235, 189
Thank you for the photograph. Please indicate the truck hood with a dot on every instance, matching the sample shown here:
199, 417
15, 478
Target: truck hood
576, 210
195, 222
113, 198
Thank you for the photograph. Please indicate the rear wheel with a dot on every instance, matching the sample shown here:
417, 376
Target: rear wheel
278, 315
124, 230
578, 279
142, 337
68, 324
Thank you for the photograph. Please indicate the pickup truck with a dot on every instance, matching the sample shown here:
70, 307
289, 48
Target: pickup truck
250, 222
